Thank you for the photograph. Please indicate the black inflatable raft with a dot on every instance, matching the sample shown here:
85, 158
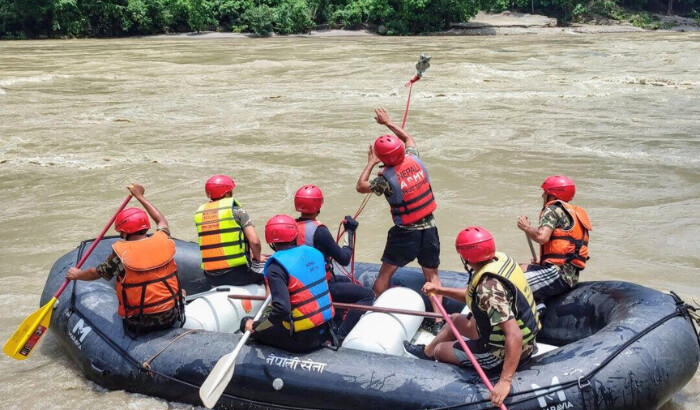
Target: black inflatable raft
622, 346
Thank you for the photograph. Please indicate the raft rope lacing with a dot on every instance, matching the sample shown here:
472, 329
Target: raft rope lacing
682, 309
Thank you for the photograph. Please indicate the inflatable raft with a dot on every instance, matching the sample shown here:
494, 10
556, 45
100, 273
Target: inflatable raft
620, 345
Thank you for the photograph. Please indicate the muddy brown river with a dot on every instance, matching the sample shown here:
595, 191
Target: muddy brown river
494, 116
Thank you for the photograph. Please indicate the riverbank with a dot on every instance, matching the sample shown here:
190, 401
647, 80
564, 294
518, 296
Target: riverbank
484, 24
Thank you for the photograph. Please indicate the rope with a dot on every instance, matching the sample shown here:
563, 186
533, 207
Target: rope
147, 364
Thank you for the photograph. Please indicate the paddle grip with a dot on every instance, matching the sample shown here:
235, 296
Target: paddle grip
464, 346
94, 244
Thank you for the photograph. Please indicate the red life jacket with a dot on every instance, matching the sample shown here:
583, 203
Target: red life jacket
150, 283
412, 199
570, 245
307, 229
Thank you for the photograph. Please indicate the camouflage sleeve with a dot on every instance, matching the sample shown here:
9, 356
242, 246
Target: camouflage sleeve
495, 300
242, 218
412, 151
380, 186
554, 217
111, 267
549, 217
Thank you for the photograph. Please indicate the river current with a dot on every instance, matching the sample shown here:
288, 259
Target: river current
493, 116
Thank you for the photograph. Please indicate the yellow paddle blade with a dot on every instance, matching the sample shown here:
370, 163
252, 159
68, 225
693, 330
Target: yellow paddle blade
21, 344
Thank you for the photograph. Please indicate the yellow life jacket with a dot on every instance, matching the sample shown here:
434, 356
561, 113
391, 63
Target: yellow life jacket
523, 304
221, 239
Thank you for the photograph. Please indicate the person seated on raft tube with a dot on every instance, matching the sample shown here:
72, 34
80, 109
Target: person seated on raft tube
227, 239
148, 288
405, 184
297, 319
563, 236
503, 320
308, 200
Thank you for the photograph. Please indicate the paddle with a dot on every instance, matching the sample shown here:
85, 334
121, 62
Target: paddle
25, 338
532, 248
469, 353
215, 384
359, 307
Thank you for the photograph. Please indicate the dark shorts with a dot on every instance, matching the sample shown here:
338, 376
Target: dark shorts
300, 342
238, 276
481, 352
545, 281
403, 246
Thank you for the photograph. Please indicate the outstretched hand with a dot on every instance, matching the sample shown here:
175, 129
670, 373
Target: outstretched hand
381, 116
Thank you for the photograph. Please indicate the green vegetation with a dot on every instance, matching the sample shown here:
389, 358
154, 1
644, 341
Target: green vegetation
110, 18
566, 11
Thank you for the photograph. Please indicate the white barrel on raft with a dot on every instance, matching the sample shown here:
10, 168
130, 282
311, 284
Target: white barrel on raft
218, 313
385, 332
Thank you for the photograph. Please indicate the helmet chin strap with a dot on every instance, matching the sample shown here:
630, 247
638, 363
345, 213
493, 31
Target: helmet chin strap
468, 268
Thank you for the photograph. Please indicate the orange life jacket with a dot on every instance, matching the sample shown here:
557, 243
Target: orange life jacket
150, 283
412, 199
568, 245
307, 229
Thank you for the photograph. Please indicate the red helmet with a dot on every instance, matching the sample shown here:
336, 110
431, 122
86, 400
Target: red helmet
560, 186
281, 229
218, 186
390, 150
308, 199
132, 220
475, 244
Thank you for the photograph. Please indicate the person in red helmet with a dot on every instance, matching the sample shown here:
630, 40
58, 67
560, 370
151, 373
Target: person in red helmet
227, 239
503, 321
308, 200
144, 266
405, 184
298, 317
563, 235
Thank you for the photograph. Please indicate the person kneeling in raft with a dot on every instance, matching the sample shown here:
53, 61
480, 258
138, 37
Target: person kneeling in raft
504, 323
142, 264
298, 317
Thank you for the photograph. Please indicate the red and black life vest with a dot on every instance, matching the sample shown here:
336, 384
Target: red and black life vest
412, 199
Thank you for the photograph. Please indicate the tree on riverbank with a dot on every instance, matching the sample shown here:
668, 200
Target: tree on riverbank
111, 18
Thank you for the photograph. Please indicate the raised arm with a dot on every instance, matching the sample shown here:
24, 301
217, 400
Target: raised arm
363, 182
383, 118
138, 192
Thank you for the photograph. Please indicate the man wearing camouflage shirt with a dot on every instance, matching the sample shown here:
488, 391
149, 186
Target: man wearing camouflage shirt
503, 320
563, 234
158, 281
405, 184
